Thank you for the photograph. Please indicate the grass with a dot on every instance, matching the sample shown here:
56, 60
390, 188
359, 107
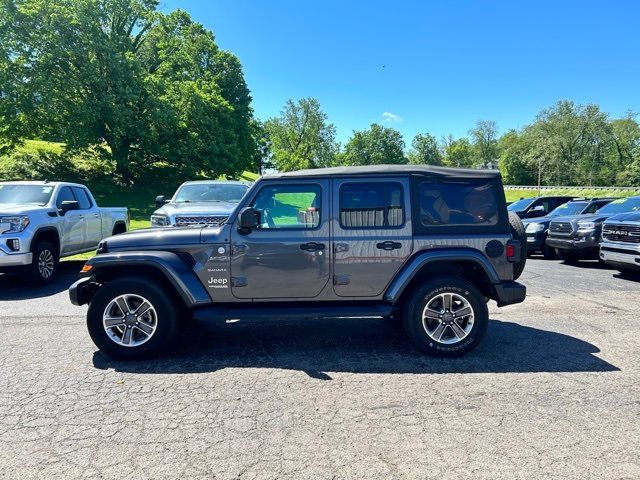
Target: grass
513, 195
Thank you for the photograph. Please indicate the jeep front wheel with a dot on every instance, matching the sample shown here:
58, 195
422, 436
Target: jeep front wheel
132, 319
446, 317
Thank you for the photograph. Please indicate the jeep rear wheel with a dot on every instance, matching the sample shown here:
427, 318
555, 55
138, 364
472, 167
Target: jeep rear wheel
518, 233
446, 317
132, 319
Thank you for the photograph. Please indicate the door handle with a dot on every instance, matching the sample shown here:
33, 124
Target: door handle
97, 215
389, 245
312, 246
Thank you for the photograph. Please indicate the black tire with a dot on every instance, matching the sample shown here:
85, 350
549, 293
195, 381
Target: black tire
549, 253
45, 263
628, 272
428, 294
567, 256
518, 233
166, 318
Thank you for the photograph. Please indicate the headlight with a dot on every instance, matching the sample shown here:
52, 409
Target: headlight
586, 226
158, 220
534, 227
16, 224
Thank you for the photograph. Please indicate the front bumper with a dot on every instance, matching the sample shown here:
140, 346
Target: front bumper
578, 243
12, 260
81, 292
508, 293
535, 241
621, 255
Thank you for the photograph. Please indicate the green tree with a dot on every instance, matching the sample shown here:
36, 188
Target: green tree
376, 145
301, 137
425, 150
458, 152
516, 163
623, 158
485, 143
153, 87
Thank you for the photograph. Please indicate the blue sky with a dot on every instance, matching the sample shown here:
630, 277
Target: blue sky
434, 67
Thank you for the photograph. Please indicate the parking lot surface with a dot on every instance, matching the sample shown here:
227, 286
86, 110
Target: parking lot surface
552, 392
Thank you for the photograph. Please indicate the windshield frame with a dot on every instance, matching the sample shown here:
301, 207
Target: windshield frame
176, 198
51, 193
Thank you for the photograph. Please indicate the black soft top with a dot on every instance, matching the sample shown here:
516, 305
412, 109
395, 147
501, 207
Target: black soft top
423, 170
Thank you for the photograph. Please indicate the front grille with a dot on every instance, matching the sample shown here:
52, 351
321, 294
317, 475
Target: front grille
205, 220
621, 233
560, 227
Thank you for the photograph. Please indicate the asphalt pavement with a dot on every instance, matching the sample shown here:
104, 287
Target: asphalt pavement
552, 392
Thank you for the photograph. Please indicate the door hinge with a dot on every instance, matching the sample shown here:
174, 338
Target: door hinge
341, 279
239, 281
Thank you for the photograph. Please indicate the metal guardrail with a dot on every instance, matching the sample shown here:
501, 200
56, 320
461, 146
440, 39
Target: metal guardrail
566, 187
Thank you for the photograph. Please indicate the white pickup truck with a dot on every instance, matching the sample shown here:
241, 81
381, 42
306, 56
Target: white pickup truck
41, 222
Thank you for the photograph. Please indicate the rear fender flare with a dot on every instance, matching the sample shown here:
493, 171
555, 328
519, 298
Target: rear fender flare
421, 260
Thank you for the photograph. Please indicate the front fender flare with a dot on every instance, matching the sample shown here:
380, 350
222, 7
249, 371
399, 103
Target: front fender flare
427, 257
168, 264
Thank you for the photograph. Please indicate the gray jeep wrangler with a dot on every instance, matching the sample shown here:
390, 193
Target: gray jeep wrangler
425, 245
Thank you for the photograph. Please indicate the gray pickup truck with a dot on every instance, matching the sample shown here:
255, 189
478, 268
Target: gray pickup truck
427, 245
620, 245
41, 222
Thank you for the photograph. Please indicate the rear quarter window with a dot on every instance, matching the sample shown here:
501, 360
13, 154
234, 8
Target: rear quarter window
459, 207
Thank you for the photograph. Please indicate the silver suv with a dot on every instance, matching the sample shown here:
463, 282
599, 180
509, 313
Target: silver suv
204, 203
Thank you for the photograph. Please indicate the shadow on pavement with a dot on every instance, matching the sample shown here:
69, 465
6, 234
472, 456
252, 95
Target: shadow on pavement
360, 346
16, 287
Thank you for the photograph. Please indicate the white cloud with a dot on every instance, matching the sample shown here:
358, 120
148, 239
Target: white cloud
391, 117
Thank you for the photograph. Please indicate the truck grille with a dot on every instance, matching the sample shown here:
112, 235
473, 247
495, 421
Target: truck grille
207, 220
560, 227
621, 233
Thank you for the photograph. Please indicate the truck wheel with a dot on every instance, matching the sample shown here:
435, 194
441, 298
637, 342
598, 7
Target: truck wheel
548, 252
567, 257
118, 229
132, 319
446, 317
44, 264
518, 233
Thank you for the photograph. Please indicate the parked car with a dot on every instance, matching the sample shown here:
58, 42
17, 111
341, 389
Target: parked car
41, 222
537, 229
426, 244
620, 245
206, 202
576, 238
537, 206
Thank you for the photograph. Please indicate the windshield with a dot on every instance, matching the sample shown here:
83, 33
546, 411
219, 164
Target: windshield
571, 208
215, 192
622, 205
520, 205
25, 194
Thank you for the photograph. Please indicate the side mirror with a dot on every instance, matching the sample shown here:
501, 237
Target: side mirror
69, 205
537, 211
160, 201
249, 219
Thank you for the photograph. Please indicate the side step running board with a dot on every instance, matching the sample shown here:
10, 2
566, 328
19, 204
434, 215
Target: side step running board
267, 312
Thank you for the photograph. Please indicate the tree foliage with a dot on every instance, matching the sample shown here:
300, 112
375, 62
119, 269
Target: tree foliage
301, 137
485, 143
153, 88
458, 152
425, 150
376, 145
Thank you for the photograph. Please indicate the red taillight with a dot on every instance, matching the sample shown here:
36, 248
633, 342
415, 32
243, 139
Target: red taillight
511, 251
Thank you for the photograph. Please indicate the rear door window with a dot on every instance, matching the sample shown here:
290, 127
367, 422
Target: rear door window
372, 205
440, 205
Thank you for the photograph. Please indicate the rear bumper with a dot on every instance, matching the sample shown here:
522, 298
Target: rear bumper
508, 293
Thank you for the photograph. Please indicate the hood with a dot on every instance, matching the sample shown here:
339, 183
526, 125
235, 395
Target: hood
197, 208
581, 218
13, 209
161, 238
625, 217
